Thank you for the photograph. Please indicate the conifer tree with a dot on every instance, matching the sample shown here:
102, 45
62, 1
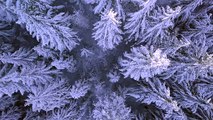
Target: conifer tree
106, 60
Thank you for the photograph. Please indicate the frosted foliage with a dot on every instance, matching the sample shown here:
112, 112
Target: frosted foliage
30, 115
20, 57
159, 60
157, 94
107, 32
6, 101
86, 53
113, 76
65, 63
73, 111
106, 60
137, 21
12, 113
48, 30
29, 75
142, 63
48, 97
112, 16
45, 52
8, 88
79, 89
60, 41
111, 108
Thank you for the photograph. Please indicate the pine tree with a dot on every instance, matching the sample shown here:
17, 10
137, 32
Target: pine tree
106, 60
107, 32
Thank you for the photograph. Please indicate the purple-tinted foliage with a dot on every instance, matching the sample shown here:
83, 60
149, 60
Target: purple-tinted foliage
106, 59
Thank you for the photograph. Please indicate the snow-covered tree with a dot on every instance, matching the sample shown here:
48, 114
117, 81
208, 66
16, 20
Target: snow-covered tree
106, 59
107, 32
144, 63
